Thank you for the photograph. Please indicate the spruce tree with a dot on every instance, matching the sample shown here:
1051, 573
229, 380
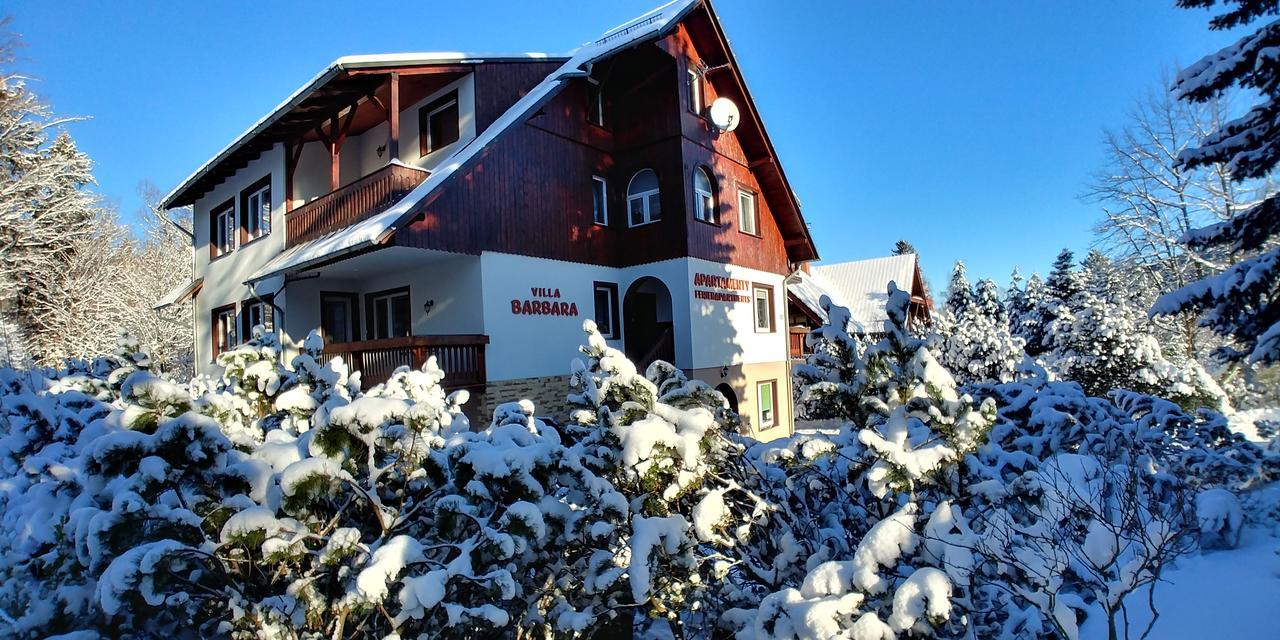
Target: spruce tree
903, 248
1243, 302
959, 293
1064, 282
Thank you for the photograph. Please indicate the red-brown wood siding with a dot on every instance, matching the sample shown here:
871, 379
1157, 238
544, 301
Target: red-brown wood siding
529, 193
499, 84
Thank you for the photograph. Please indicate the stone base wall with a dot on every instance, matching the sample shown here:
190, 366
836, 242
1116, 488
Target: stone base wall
549, 395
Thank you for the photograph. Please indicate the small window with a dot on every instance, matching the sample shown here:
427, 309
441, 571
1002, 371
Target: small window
254, 313
389, 314
595, 103
339, 319
767, 401
694, 83
704, 197
223, 239
644, 204
599, 200
762, 302
223, 326
747, 218
255, 209
606, 316
438, 124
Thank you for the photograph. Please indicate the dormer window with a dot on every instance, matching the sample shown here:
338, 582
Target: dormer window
438, 123
222, 229
644, 203
694, 83
595, 103
704, 196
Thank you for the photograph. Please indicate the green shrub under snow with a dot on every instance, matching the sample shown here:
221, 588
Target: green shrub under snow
282, 501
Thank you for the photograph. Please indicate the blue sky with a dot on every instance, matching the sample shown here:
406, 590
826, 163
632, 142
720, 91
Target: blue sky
968, 128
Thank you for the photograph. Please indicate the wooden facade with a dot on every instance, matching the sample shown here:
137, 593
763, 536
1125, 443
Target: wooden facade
530, 194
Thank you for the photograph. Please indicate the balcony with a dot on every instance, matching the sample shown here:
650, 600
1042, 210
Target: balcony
460, 356
348, 205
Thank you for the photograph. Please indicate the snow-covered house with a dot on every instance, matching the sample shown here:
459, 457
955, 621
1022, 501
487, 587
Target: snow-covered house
859, 285
480, 206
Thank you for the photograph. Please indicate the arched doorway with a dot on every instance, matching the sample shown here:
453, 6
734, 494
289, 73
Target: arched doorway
648, 331
729, 395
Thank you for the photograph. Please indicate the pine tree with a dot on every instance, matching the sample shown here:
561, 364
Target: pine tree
1102, 279
1242, 302
960, 300
1064, 281
902, 247
978, 346
1039, 308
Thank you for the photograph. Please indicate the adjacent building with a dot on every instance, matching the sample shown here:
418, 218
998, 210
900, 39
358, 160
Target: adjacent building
478, 207
860, 286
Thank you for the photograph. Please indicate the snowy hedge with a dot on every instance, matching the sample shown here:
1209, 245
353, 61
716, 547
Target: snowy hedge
282, 501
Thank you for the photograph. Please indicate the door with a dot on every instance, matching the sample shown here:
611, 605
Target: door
338, 317
642, 324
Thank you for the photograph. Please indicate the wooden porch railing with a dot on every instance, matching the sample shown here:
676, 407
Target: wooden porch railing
664, 348
348, 205
796, 337
460, 356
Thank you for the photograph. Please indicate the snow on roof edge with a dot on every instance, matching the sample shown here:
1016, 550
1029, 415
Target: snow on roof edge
359, 236
344, 62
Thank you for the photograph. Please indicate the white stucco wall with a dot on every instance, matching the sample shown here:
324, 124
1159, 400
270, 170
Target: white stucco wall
224, 276
726, 331
359, 155
451, 283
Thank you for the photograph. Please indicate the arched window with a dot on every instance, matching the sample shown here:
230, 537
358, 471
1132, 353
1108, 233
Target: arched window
643, 202
704, 196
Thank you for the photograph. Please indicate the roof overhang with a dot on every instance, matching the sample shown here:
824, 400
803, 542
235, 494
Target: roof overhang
344, 81
180, 294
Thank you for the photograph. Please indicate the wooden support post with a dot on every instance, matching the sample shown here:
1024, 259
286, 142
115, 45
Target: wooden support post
335, 162
393, 118
292, 153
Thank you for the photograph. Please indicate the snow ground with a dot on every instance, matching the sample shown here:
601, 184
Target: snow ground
1243, 421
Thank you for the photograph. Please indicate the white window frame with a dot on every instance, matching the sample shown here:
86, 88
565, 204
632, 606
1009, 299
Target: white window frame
253, 213
432, 147
225, 326
644, 198
756, 291
390, 320
704, 202
613, 310
228, 227
595, 89
262, 310
772, 410
748, 224
601, 216
694, 81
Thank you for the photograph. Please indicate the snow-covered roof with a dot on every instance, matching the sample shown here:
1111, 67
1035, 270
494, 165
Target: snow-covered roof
179, 293
808, 289
377, 228
337, 66
862, 285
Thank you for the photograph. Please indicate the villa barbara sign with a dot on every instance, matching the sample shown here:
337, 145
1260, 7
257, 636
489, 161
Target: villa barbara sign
543, 301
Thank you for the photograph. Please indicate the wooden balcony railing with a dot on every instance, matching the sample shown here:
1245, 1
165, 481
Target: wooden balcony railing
348, 205
460, 356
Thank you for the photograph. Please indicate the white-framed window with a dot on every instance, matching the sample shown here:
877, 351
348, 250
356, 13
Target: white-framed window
694, 83
704, 196
599, 200
767, 403
257, 212
595, 102
339, 317
438, 124
606, 309
644, 202
224, 230
748, 221
389, 314
762, 305
225, 336
254, 313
